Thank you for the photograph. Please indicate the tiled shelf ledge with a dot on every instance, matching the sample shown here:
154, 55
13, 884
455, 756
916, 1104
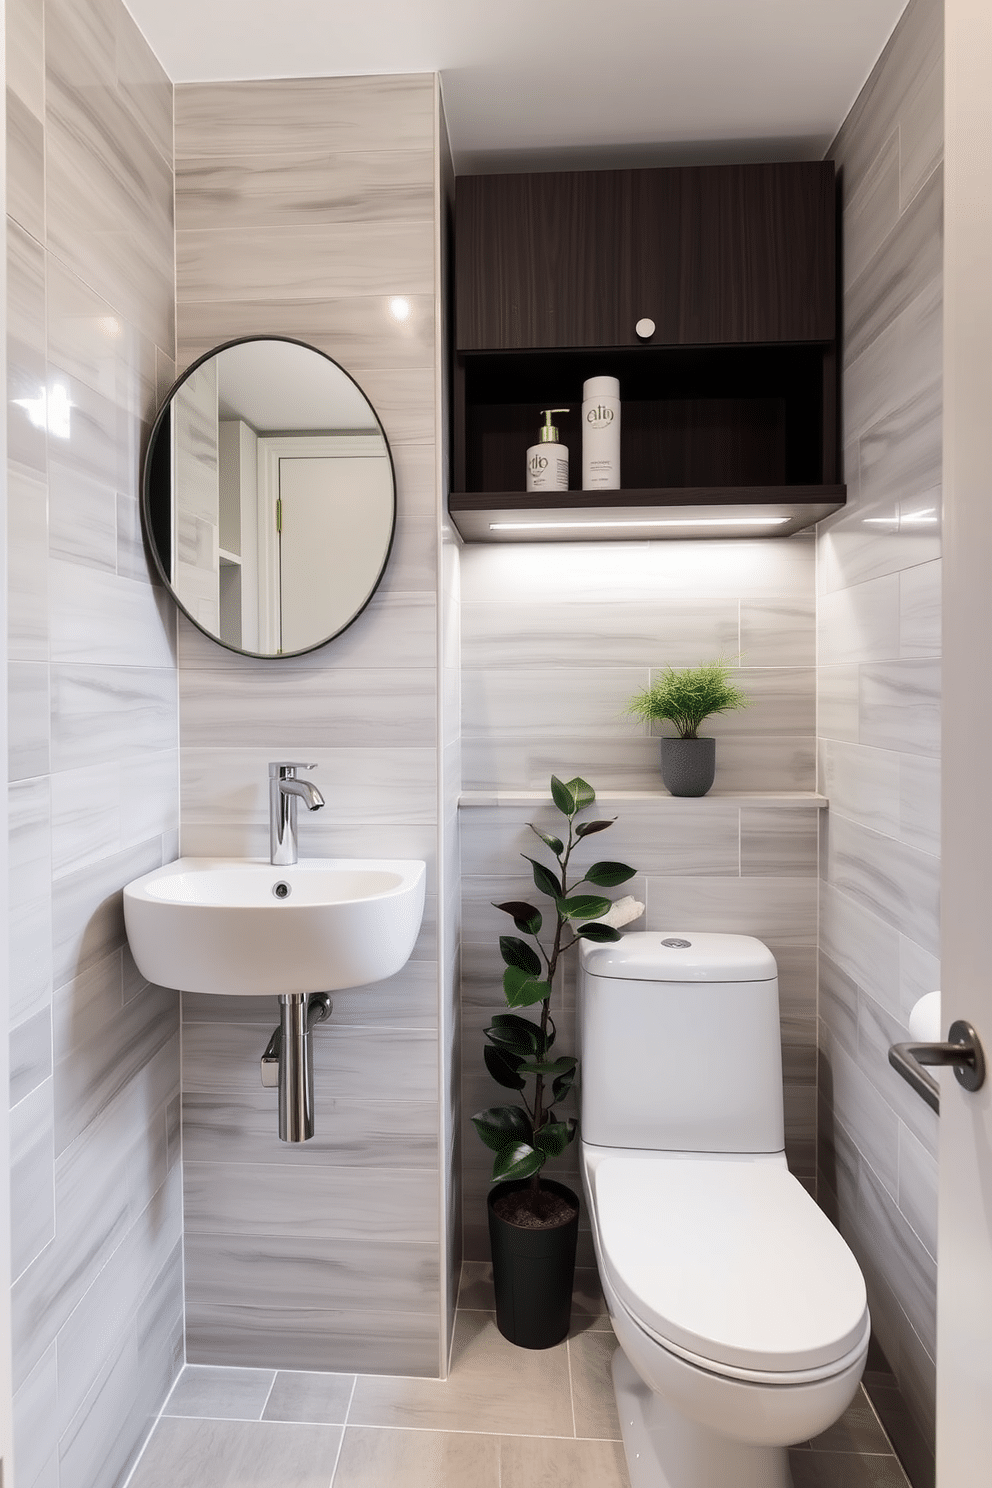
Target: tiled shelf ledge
774, 799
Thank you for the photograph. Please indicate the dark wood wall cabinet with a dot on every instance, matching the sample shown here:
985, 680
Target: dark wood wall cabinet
729, 421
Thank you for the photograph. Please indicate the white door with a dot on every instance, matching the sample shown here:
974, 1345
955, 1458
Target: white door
964, 1288
335, 525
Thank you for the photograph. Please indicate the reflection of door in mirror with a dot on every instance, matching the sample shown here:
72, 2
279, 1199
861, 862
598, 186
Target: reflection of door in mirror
325, 518
195, 555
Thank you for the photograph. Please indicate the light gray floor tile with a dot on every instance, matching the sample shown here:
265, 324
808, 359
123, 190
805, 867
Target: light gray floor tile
320, 1398
237, 1454
493, 1386
417, 1459
593, 1402
227, 1394
526, 1463
844, 1470
858, 1430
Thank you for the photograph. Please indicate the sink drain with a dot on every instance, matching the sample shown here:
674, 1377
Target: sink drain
281, 889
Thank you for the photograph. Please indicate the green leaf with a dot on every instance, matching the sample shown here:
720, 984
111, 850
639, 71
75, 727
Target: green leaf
501, 1125
602, 934
522, 989
517, 1161
563, 1066
525, 916
608, 875
518, 953
586, 829
555, 843
583, 907
549, 883
518, 1035
562, 796
581, 791
561, 1086
503, 1068
554, 1137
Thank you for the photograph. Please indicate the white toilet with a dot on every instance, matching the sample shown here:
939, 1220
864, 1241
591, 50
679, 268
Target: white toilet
741, 1313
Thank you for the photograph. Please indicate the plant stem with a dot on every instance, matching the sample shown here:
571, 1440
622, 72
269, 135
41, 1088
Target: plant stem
552, 960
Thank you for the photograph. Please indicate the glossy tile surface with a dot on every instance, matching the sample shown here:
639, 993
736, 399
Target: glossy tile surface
429, 1434
302, 207
97, 1298
878, 577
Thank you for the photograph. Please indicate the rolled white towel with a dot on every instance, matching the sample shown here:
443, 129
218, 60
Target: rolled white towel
924, 1020
621, 913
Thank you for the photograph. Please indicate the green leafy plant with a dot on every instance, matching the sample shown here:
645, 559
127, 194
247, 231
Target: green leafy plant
518, 1055
689, 696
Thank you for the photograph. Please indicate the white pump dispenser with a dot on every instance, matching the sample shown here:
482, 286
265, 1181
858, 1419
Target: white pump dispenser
547, 461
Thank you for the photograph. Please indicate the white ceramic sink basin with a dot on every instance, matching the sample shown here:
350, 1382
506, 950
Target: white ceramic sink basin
240, 926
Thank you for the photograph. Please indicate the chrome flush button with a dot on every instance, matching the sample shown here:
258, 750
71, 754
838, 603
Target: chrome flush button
677, 945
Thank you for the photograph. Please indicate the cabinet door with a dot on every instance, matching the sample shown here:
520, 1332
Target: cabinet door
712, 254
539, 259
757, 256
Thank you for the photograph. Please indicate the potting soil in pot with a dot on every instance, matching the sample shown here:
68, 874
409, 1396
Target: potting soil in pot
519, 1209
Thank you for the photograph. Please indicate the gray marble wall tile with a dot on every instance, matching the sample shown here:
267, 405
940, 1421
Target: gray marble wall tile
352, 707
332, 321
675, 632
900, 706
860, 623
338, 114
662, 571
345, 258
32, 1177
25, 55
35, 1457
88, 909
904, 264
102, 713
778, 843
100, 619
241, 1127
310, 1338
25, 166
27, 590
30, 1055
778, 632
306, 187
396, 631
838, 692
919, 610
334, 1203
892, 881
287, 1272
880, 762
781, 909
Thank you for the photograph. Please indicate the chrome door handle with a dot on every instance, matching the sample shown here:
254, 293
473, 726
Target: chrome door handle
963, 1052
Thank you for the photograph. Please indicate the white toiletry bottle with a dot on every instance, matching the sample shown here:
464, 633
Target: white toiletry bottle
601, 434
547, 461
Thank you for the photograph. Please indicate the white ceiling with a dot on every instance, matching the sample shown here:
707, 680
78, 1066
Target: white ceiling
567, 82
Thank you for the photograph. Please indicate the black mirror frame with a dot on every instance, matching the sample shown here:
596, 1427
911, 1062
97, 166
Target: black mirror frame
147, 478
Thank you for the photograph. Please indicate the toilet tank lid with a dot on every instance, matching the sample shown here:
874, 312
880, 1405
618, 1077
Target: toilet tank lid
680, 956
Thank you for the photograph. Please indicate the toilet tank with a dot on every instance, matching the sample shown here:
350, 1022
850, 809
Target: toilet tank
680, 1044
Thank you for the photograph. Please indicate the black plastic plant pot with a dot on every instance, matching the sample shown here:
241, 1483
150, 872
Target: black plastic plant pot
688, 766
533, 1271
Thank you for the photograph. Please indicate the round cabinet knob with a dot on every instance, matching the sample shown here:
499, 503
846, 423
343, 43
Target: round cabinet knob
645, 328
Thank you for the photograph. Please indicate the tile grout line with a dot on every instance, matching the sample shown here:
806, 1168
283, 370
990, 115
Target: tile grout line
268, 1397
571, 1386
344, 1428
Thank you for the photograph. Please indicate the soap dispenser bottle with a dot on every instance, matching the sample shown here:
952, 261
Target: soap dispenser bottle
547, 461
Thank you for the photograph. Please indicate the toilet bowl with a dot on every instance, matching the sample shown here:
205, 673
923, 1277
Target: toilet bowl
741, 1313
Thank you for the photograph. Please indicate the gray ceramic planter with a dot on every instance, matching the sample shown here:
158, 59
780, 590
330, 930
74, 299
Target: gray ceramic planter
688, 765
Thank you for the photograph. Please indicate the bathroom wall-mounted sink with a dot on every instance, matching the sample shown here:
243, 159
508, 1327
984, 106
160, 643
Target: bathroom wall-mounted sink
241, 926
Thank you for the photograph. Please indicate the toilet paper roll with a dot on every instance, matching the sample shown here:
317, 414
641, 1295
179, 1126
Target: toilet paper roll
924, 1020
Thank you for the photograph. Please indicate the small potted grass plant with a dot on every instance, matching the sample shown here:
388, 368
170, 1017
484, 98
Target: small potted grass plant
686, 698
533, 1221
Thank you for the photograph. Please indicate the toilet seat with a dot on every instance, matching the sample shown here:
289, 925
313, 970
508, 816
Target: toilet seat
730, 1265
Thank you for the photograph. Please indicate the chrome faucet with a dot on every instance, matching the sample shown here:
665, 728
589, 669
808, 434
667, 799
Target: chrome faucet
284, 792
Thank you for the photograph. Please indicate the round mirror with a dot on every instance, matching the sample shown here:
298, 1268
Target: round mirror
269, 499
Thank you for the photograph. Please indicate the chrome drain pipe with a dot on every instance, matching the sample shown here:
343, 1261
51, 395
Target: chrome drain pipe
288, 1061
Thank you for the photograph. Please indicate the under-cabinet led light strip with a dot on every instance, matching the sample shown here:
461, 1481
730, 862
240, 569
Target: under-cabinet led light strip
667, 522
